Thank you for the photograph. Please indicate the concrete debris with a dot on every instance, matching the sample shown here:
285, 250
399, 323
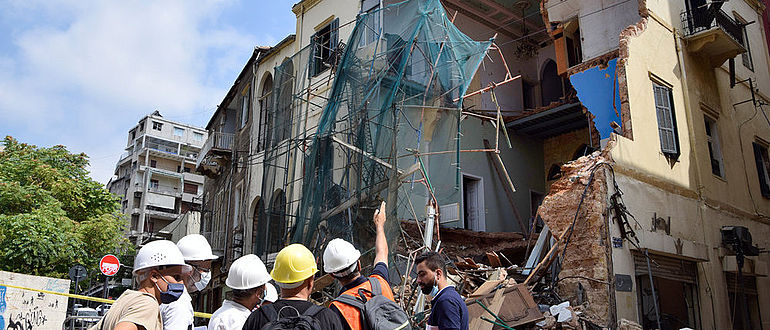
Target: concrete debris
628, 325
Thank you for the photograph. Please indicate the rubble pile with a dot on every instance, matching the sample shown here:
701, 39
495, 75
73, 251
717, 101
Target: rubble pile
509, 282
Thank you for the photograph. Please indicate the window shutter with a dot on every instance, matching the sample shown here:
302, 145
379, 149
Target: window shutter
313, 54
666, 125
761, 170
334, 35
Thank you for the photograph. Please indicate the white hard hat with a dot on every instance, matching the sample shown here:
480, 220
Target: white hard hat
339, 254
195, 247
158, 253
271, 294
247, 272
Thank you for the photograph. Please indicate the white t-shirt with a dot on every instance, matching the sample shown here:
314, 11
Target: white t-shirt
231, 315
178, 315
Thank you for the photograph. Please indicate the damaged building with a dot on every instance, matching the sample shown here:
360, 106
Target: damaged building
616, 151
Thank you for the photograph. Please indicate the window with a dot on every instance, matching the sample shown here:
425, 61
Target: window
371, 24
132, 135
187, 169
157, 126
141, 126
265, 116
669, 142
745, 57
245, 105
198, 136
154, 184
324, 46
153, 163
715, 151
190, 188
567, 45
178, 131
763, 168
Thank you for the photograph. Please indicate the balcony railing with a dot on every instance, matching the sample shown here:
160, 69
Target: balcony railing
217, 141
704, 19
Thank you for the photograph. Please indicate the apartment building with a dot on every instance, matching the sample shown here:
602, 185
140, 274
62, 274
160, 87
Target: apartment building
155, 178
687, 103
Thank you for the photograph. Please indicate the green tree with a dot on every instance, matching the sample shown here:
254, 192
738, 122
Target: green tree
52, 214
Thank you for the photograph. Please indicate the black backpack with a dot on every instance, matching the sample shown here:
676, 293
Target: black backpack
377, 312
303, 321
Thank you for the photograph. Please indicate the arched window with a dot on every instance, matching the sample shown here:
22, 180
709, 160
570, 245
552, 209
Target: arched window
554, 172
265, 108
284, 79
551, 85
257, 234
277, 227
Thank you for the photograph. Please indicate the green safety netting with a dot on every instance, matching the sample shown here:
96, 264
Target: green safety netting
390, 127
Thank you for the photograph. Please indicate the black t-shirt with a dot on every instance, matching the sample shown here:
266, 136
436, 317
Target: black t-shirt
326, 318
380, 269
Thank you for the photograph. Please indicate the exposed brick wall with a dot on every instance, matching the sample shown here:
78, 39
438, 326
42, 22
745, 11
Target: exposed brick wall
587, 254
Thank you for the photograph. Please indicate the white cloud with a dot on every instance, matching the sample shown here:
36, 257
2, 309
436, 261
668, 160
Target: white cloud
85, 71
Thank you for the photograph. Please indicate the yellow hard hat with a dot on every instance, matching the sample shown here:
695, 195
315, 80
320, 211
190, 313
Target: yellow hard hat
293, 263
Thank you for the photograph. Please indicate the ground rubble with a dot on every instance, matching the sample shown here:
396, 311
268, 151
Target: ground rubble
510, 281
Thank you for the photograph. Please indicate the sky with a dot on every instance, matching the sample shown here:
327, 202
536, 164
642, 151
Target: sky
81, 73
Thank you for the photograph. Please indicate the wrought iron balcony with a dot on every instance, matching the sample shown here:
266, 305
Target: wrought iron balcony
712, 33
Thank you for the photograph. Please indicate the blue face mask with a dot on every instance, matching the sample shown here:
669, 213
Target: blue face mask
172, 293
434, 288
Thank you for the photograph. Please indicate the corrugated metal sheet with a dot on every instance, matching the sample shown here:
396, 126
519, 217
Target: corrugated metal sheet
666, 267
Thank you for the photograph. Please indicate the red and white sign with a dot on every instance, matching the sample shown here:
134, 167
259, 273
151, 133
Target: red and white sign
109, 265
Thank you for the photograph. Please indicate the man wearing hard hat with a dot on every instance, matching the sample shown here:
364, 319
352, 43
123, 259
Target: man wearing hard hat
197, 253
294, 271
341, 261
247, 277
159, 270
271, 295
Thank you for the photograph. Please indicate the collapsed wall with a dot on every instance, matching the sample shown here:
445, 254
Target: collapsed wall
575, 211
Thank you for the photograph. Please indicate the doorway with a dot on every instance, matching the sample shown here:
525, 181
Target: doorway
473, 203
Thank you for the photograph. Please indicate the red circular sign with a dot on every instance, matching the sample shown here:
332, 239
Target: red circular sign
109, 265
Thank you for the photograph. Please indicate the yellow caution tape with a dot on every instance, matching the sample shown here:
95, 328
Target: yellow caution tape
77, 296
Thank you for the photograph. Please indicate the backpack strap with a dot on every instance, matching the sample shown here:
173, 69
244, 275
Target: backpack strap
350, 300
312, 310
270, 312
376, 287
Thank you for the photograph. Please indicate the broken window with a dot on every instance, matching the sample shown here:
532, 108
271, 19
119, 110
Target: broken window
132, 135
715, 151
157, 126
324, 46
154, 184
153, 163
567, 45
664, 107
763, 168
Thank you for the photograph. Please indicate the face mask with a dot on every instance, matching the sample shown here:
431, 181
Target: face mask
204, 281
431, 290
172, 293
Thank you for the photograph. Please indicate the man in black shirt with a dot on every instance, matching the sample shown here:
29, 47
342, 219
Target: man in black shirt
294, 271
